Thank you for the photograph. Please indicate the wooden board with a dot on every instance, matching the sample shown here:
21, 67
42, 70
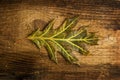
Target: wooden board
23, 61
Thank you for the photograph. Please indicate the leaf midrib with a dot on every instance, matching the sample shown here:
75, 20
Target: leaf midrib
59, 39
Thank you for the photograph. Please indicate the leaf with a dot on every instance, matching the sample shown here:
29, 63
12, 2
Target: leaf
68, 23
47, 29
37, 43
51, 51
64, 40
65, 53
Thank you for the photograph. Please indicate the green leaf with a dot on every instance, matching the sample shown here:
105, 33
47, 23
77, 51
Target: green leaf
64, 40
68, 23
65, 53
37, 43
47, 29
51, 51
91, 39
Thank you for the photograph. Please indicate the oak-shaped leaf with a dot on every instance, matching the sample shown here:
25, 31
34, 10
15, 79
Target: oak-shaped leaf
64, 39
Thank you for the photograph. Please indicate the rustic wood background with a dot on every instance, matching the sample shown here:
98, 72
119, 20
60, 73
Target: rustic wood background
21, 60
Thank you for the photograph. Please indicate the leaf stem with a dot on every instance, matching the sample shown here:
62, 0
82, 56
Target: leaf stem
56, 39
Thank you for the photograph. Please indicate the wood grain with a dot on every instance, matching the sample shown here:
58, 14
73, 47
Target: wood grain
21, 60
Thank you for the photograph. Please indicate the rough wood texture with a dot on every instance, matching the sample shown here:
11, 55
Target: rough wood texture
21, 60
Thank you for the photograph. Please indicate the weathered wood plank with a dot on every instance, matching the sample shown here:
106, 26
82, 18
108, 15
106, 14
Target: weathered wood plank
23, 61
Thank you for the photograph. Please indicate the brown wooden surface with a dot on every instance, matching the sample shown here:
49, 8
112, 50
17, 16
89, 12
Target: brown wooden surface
23, 61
